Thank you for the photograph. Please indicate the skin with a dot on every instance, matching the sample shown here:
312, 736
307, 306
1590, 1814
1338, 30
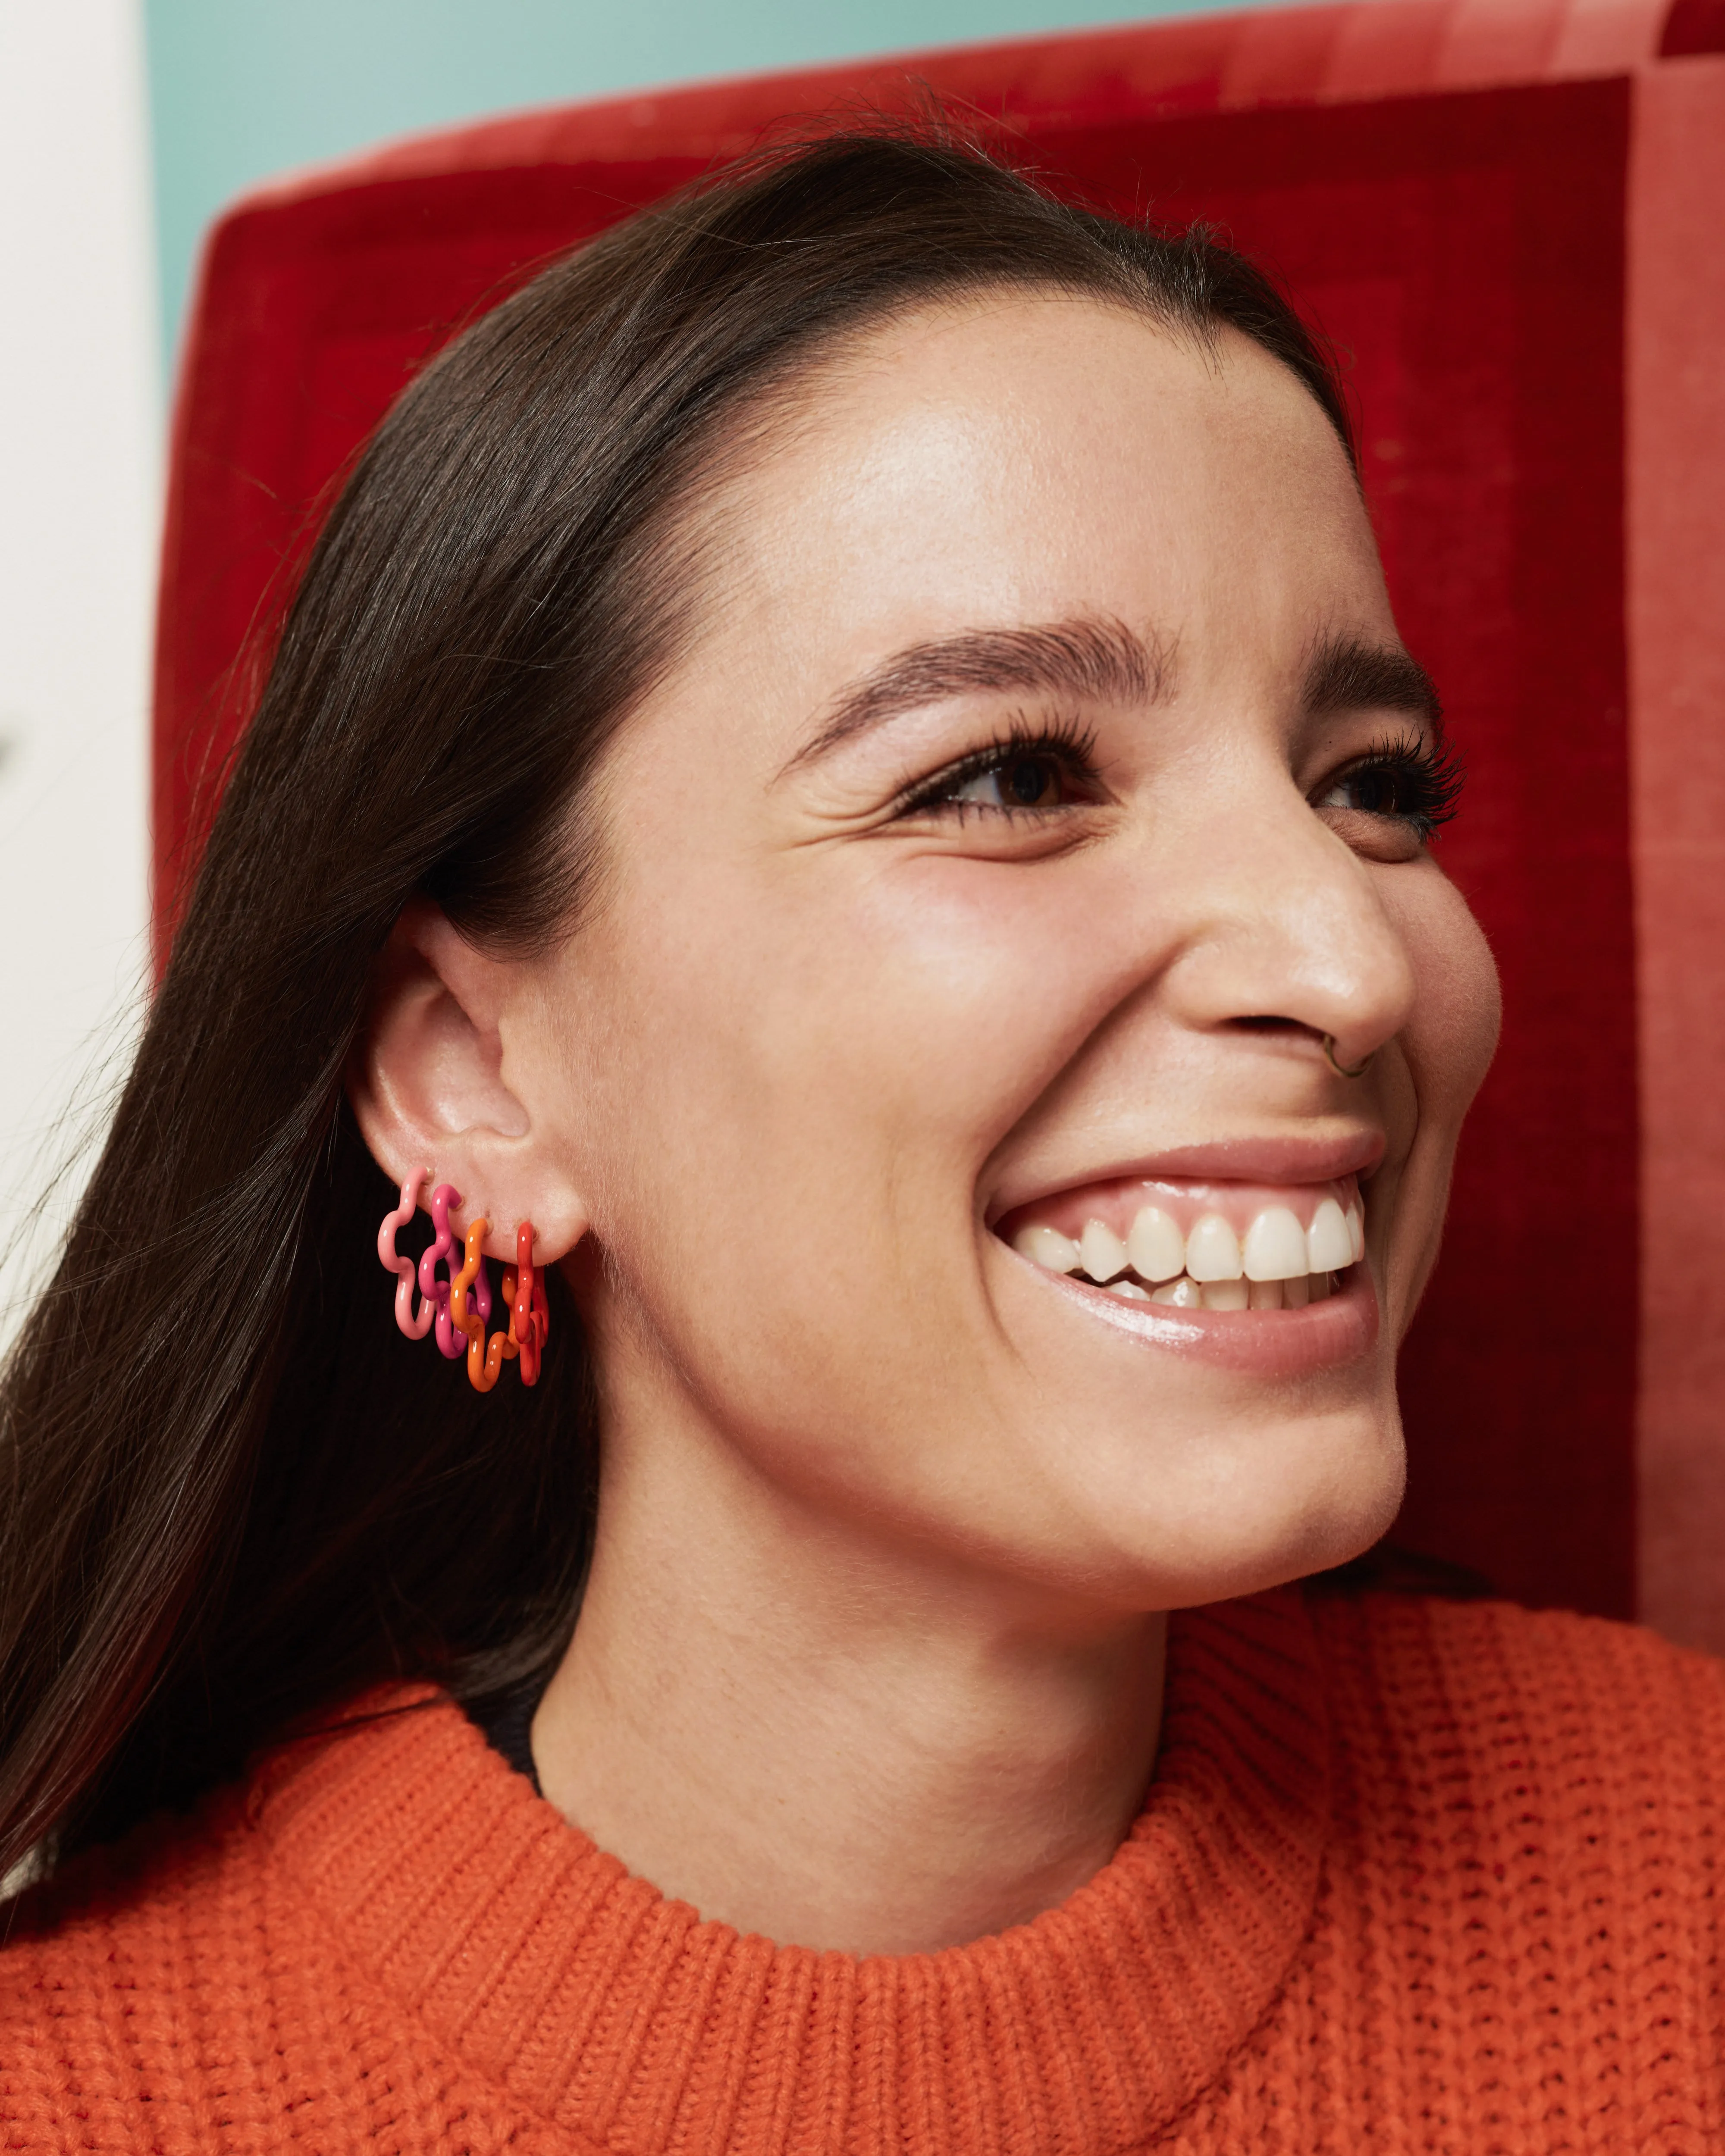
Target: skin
872, 1654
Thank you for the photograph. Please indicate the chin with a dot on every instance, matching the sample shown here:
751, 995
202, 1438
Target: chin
1292, 1498
1310, 1531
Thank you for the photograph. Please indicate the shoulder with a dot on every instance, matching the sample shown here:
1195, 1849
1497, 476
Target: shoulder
190, 1978
1482, 1670
1527, 1740
111, 1944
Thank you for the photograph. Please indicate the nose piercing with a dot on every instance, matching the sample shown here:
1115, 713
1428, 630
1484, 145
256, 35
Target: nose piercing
1343, 1070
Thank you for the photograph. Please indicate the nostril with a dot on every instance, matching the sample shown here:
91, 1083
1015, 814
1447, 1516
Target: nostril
1267, 1024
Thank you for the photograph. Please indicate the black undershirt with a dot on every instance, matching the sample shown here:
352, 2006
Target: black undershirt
507, 1728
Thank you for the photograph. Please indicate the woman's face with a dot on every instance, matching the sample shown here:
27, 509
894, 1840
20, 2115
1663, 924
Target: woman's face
981, 889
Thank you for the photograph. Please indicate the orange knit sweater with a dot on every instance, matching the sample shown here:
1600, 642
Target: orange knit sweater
1410, 1876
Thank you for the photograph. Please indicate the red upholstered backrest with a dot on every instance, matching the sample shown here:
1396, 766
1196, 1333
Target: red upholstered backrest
1447, 187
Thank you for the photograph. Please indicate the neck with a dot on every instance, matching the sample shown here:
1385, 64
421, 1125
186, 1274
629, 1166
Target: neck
813, 1733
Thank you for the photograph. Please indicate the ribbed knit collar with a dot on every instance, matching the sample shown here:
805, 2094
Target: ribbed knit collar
598, 2005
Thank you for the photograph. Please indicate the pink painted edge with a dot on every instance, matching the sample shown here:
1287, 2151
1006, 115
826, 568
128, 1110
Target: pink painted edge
1675, 510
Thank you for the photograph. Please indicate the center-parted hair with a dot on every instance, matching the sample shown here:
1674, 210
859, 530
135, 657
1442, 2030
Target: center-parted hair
233, 1503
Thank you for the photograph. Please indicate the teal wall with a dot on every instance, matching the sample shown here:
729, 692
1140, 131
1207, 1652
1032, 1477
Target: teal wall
240, 89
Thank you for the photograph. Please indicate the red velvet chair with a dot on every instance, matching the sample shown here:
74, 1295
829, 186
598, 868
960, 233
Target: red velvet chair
1510, 217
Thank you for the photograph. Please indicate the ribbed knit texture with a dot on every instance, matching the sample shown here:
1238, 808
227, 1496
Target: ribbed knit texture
1411, 1876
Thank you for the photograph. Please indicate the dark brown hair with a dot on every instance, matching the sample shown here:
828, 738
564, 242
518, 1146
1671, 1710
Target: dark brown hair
235, 1504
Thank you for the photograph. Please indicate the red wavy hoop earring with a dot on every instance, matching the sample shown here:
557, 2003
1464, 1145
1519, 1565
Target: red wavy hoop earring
529, 1313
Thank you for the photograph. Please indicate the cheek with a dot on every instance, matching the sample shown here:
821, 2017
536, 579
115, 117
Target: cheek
1457, 1008
1448, 1045
968, 988
921, 1004
806, 1075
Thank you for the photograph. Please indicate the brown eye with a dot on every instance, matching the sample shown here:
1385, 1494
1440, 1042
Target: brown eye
1409, 781
1016, 782
1374, 789
1031, 775
1030, 782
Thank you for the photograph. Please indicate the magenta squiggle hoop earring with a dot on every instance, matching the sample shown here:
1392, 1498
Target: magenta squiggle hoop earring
415, 1323
451, 1342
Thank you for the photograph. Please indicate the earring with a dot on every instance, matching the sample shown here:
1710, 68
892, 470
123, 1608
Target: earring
484, 1365
416, 1324
441, 1199
529, 1313
460, 1303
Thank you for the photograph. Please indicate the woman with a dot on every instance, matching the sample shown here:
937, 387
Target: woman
843, 773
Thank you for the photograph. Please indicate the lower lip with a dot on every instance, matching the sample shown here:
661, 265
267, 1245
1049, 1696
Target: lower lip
1266, 1343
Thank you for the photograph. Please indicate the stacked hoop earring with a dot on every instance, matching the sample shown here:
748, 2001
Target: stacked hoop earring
459, 1305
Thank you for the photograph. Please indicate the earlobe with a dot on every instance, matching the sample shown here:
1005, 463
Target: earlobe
428, 1083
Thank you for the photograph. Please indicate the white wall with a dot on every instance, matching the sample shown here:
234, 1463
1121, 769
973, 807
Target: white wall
80, 426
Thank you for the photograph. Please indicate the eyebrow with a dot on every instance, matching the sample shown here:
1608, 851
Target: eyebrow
1346, 674
1102, 661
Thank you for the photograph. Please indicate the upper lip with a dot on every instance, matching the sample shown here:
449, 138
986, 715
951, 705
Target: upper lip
1286, 1157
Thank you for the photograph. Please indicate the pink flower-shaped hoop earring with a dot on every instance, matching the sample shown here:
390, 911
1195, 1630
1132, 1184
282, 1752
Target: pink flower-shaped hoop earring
416, 1324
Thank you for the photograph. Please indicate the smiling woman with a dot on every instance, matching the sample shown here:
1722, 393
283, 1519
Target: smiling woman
847, 775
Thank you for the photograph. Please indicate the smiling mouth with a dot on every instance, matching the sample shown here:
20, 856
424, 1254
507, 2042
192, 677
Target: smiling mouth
1197, 1246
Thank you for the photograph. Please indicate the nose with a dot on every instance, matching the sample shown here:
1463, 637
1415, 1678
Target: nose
1286, 930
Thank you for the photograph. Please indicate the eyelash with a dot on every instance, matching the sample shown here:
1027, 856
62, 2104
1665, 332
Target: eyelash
1427, 780
1065, 743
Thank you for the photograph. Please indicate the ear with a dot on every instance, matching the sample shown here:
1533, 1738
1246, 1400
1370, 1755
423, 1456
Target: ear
430, 1086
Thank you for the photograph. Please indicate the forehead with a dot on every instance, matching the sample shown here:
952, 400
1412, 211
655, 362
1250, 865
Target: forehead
1023, 458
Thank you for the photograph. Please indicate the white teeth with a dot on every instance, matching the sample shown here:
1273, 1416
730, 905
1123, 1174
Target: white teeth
1329, 1247
1275, 1247
1100, 1251
1047, 1247
1156, 1246
1213, 1249
1281, 1266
